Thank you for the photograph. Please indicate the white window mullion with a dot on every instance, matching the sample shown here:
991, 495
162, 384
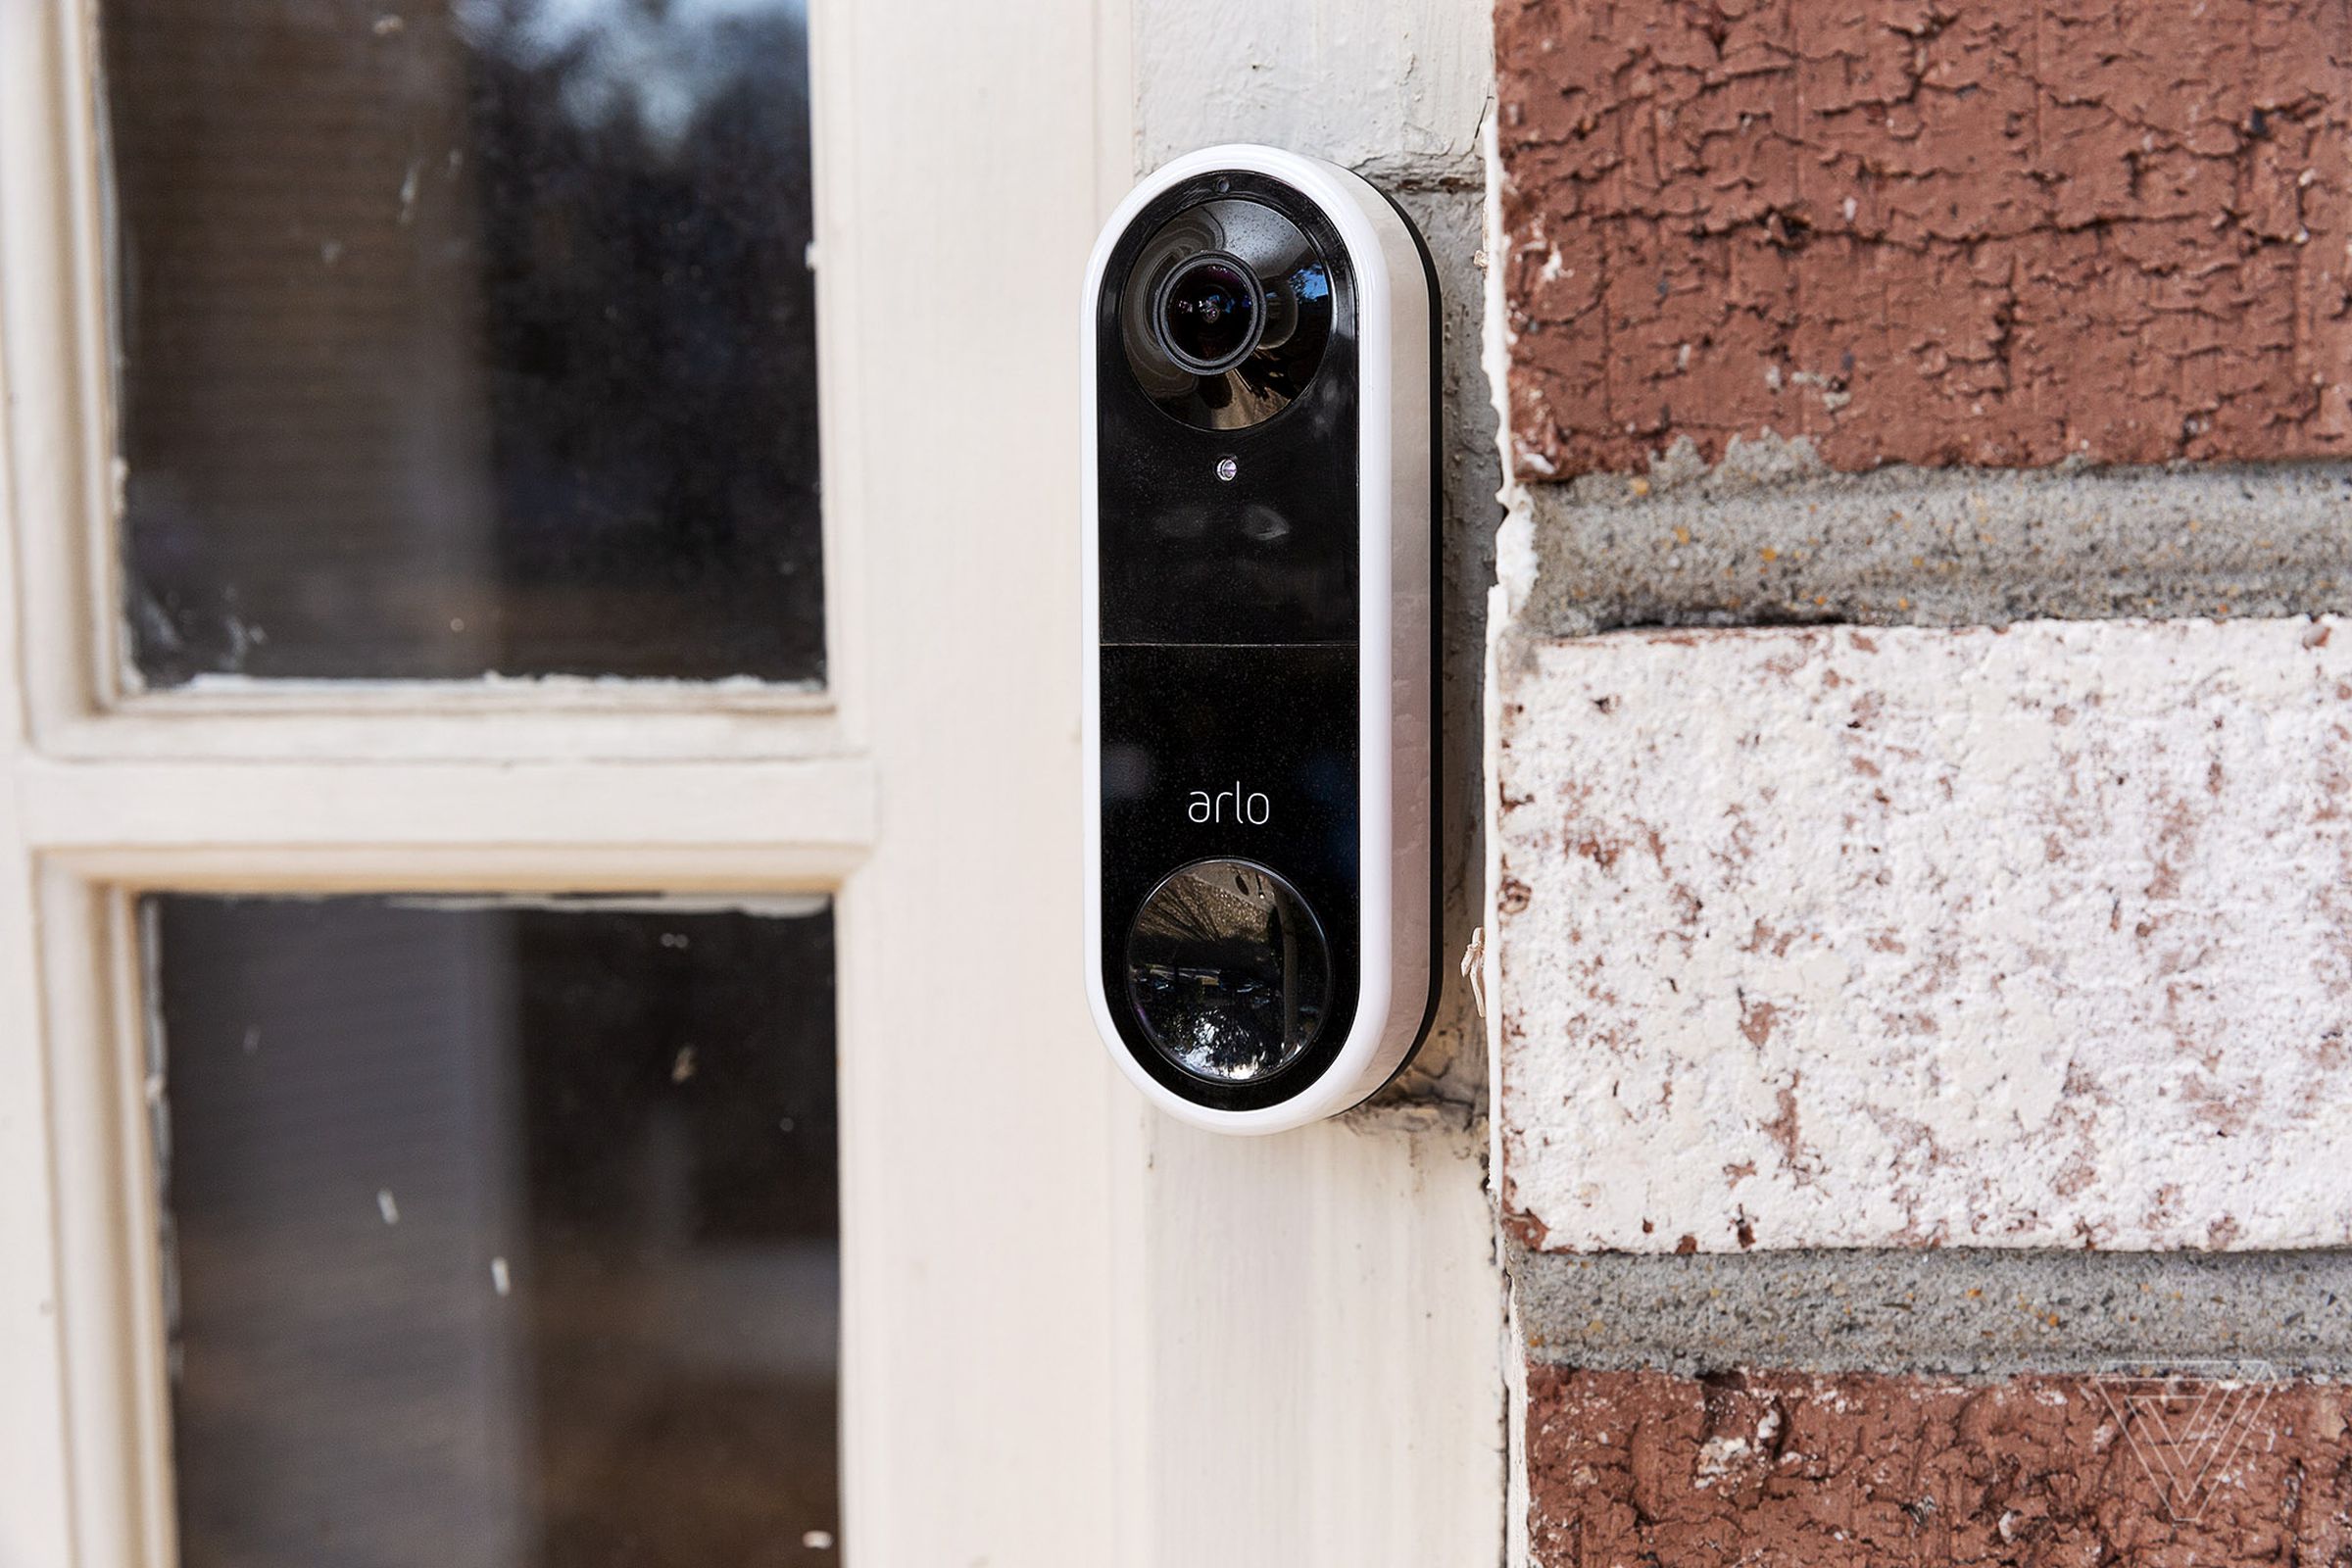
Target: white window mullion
37, 1524
52, 336
109, 1294
800, 820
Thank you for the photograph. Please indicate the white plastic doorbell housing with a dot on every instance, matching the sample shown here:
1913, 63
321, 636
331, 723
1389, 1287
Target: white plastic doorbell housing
1259, 354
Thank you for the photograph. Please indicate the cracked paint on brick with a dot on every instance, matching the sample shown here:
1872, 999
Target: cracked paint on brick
1851, 1472
2005, 233
1845, 937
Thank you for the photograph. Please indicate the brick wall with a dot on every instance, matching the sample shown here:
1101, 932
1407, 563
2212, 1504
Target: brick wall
1919, 769
1998, 231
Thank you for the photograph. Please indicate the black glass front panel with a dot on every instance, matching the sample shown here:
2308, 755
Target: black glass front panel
501, 1237
1230, 753
1244, 536
465, 336
1228, 543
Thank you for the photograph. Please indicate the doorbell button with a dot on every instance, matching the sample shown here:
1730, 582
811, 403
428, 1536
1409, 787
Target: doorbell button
1258, 362
1227, 970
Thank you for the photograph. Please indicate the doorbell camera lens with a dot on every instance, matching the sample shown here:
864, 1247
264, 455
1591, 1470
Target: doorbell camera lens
1259, 361
1212, 312
1227, 970
1225, 311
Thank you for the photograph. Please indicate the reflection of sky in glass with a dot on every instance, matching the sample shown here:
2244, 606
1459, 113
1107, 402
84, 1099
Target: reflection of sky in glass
659, 66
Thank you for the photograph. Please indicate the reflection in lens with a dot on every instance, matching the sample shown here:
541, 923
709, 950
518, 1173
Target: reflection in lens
1209, 314
1227, 970
1230, 310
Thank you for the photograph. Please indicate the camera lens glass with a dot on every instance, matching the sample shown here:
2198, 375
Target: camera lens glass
1211, 311
1228, 310
1227, 970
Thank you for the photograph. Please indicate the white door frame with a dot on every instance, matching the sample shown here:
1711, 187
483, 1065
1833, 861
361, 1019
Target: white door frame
1076, 1334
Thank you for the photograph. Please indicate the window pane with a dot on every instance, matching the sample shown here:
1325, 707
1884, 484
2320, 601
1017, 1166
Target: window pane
499, 1234
465, 336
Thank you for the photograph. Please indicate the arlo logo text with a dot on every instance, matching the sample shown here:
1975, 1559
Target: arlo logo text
1251, 809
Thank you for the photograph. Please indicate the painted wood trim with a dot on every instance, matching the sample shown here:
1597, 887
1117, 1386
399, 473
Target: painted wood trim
109, 1294
651, 806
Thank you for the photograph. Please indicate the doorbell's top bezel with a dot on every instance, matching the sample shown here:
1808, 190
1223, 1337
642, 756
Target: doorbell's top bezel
1357, 304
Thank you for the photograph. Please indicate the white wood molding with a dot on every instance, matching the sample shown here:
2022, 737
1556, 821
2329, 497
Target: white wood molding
80, 807
975, 1150
1105, 1338
841, 403
109, 1289
1310, 1350
36, 1527
51, 340
37, 1524
492, 721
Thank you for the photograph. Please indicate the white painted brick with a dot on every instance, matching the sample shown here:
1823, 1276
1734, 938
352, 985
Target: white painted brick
1373, 84
1844, 937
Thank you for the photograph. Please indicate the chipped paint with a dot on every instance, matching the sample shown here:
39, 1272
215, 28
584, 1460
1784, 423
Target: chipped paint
2008, 234
1854, 1472
1845, 937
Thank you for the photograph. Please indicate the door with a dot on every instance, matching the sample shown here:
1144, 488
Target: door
539, 882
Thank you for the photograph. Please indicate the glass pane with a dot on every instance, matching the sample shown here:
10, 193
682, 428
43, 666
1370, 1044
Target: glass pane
499, 1234
465, 336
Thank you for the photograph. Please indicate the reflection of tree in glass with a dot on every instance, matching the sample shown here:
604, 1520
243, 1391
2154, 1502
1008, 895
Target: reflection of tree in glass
1227, 971
664, 65
1205, 907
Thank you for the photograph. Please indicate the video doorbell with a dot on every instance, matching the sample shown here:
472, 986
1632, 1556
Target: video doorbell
1259, 354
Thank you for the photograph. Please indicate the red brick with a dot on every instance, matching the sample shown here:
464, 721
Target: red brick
2004, 232
1628, 1468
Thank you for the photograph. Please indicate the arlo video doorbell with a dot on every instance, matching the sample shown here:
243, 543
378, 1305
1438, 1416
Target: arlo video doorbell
1258, 362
